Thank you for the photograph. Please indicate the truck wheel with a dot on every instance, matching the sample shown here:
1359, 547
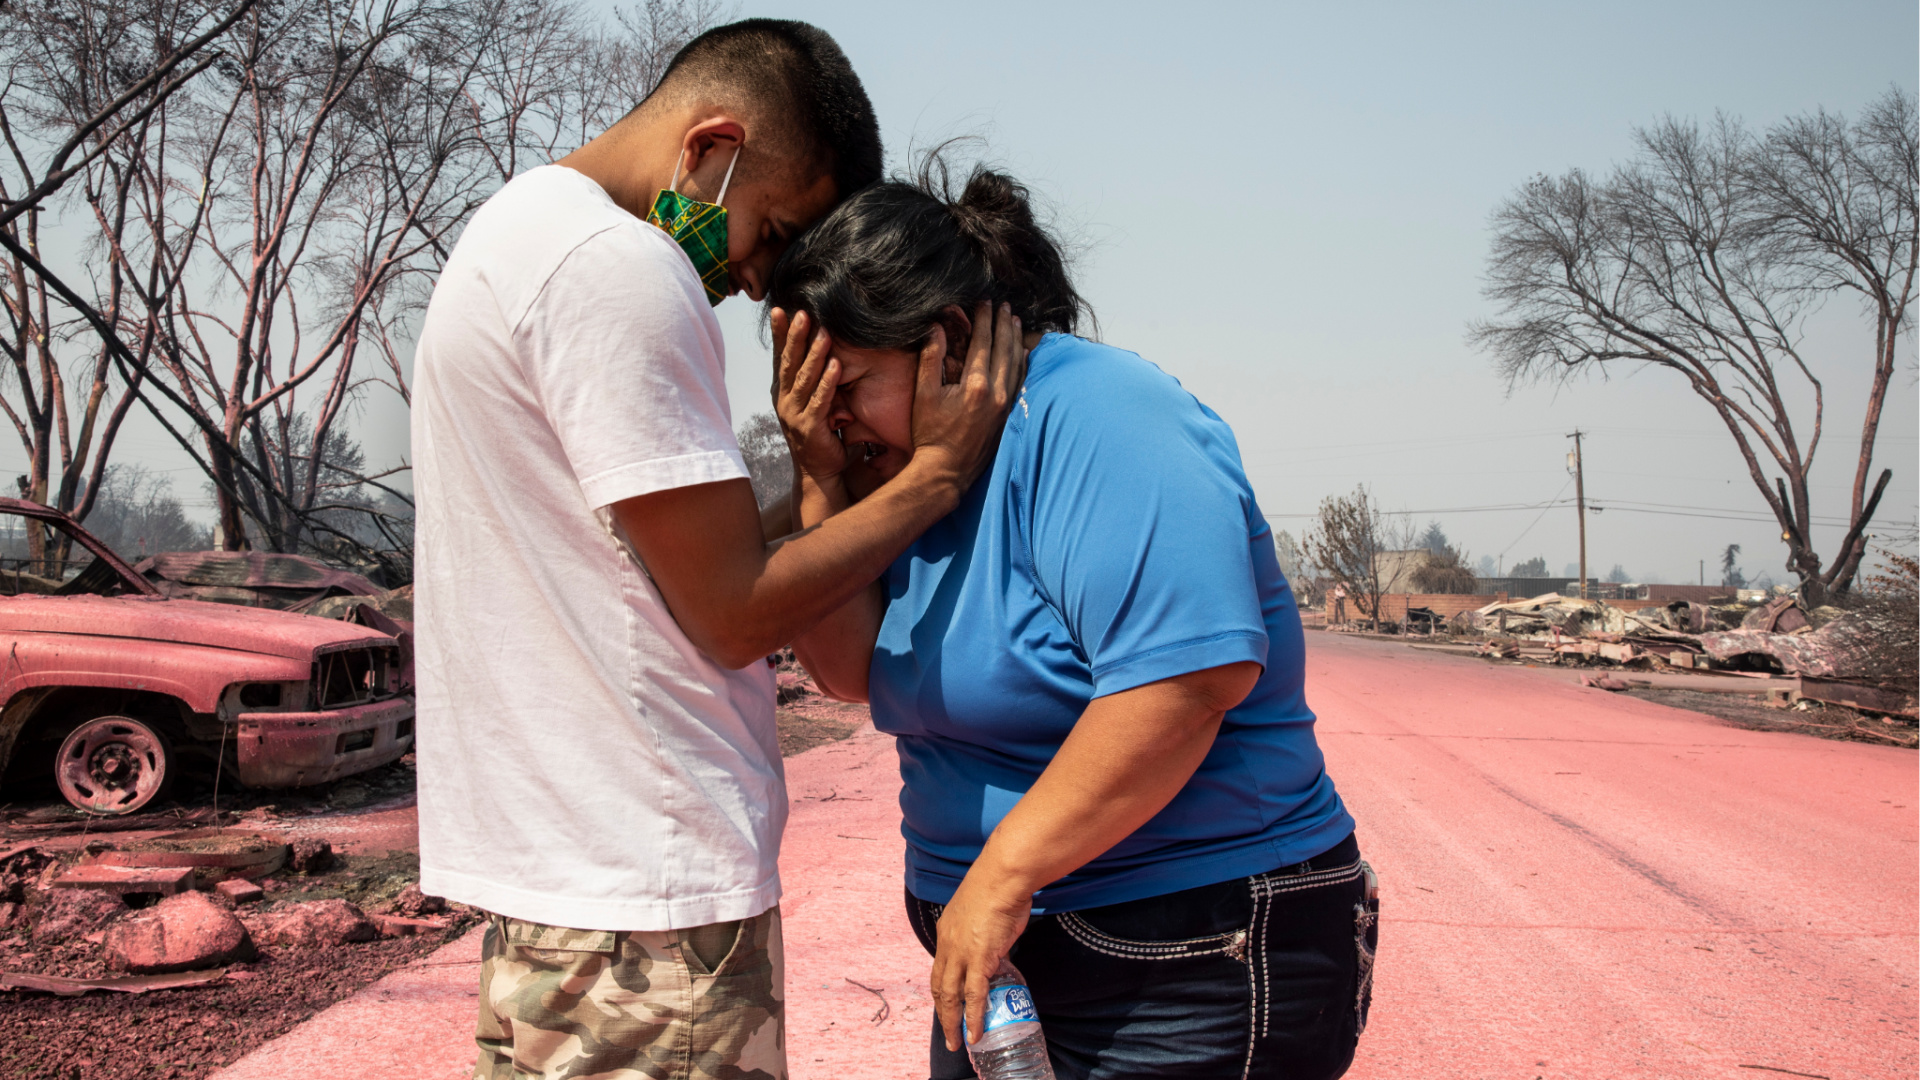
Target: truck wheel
112, 765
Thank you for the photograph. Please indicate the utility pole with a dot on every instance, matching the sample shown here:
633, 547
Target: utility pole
1575, 466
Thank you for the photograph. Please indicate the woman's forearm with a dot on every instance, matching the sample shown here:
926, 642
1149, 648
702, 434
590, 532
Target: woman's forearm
1125, 760
776, 520
814, 500
838, 650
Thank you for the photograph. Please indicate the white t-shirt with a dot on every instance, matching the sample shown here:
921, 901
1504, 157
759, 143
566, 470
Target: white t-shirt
581, 763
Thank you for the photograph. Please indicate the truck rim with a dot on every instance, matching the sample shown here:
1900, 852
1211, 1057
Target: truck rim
111, 765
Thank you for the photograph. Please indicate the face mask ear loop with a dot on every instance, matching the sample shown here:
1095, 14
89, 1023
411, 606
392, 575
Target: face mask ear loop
728, 179
677, 162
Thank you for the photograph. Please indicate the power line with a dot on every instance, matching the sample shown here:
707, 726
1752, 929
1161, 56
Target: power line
1556, 501
1439, 440
1715, 514
1500, 508
1755, 518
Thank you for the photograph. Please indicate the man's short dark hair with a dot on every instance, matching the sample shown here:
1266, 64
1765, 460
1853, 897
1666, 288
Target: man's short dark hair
798, 73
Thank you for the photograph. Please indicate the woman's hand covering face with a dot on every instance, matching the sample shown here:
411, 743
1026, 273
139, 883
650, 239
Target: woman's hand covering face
947, 406
804, 384
962, 419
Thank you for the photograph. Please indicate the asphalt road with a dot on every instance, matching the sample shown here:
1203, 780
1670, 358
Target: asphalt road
1579, 884
1575, 884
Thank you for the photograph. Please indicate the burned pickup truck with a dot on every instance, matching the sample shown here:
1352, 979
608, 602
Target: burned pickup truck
110, 690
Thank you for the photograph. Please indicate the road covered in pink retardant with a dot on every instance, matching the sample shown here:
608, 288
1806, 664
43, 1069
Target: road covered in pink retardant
1574, 885
1578, 884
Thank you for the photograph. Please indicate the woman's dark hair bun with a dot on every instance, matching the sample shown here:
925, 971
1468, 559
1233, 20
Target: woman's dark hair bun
996, 211
881, 267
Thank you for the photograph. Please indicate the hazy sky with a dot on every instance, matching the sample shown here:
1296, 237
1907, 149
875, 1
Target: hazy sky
1285, 206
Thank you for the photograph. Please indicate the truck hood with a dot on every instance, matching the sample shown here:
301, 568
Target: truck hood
187, 622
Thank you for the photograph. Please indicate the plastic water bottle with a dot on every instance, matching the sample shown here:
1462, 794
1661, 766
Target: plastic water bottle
1012, 1046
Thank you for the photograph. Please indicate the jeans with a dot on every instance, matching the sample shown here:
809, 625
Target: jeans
1269, 976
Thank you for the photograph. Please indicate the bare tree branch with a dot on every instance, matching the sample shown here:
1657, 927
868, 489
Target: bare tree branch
1704, 256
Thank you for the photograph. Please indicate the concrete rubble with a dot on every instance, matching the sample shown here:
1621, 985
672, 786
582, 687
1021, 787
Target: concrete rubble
239, 890
317, 923
181, 923
186, 932
309, 856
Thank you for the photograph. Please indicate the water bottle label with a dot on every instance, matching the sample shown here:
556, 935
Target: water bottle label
1009, 1005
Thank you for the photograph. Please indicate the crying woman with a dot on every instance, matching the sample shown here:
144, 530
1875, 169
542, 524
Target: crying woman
1093, 667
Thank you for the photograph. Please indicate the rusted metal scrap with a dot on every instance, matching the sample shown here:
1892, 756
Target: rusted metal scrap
1688, 617
125, 984
170, 819
1781, 615
1569, 615
1672, 648
251, 578
395, 604
1829, 655
1857, 696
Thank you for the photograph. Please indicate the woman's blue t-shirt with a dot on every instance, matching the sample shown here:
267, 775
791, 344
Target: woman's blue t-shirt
1115, 543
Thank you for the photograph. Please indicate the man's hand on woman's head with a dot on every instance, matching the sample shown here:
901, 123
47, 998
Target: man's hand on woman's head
959, 422
805, 378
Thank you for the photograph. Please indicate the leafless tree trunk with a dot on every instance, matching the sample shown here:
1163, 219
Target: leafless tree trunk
1347, 543
80, 77
1705, 256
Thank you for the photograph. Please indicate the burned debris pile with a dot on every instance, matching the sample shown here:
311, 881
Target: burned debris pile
209, 903
1861, 656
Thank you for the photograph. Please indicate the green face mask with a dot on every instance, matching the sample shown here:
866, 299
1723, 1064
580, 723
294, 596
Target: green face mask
700, 228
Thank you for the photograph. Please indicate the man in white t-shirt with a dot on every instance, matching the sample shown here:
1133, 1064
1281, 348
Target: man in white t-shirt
598, 763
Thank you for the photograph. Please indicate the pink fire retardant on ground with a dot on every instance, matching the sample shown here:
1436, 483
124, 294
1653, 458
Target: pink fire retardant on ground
1580, 884
1575, 885
844, 923
415, 1024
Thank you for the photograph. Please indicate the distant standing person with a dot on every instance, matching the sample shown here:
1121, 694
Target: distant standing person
599, 767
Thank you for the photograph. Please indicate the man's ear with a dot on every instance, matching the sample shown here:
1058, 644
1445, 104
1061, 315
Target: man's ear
959, 330
717, 134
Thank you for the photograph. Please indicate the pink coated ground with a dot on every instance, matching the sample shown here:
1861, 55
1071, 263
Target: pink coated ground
1575, 884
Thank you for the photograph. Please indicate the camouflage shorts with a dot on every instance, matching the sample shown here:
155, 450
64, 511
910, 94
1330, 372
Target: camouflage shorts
700, 1004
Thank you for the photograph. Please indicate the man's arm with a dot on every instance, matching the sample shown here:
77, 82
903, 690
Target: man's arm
776, 520
739, 597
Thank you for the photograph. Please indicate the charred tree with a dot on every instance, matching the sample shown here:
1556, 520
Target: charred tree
1705, 255
1347, 544
261, 241
82, 77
